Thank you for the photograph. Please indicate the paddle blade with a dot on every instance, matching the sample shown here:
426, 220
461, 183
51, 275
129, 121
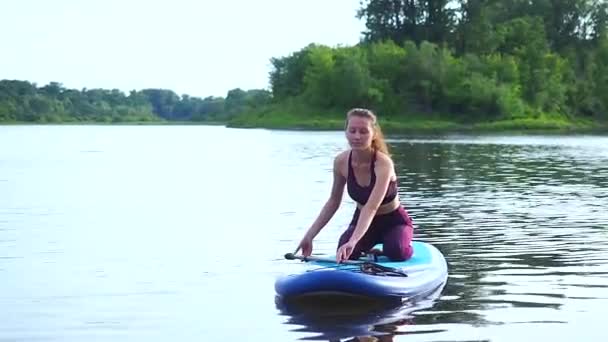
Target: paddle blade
290, 256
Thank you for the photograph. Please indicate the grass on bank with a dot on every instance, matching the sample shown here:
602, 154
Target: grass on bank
295, 115
300, 117
159, 122
539, 123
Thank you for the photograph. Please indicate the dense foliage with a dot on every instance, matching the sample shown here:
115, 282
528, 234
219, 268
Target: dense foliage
471, 59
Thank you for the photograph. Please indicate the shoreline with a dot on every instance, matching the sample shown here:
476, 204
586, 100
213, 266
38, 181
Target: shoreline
118, 123
389, 125
416, 125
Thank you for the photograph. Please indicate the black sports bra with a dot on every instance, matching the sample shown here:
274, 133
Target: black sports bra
361, 194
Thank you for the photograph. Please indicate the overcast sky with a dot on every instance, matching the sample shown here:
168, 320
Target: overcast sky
200, 48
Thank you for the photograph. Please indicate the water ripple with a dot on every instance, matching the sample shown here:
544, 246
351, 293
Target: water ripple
107, 233
522, 226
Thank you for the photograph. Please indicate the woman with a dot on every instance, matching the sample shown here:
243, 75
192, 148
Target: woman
368, 173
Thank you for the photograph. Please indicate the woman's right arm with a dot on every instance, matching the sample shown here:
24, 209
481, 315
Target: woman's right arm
332, 204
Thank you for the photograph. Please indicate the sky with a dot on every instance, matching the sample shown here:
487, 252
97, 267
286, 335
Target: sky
200, 48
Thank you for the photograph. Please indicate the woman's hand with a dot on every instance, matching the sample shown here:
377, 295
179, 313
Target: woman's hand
345, 251
305, 245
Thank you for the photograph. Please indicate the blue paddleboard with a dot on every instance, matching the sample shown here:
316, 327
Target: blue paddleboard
420, 275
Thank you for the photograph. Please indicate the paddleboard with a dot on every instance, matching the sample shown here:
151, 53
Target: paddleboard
418, 276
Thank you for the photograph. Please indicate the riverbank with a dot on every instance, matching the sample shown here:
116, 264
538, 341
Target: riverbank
116, 123
334, 121
417, 123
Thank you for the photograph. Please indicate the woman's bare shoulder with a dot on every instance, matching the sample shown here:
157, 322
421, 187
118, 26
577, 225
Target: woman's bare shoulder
340, 161
384, 159
341, 157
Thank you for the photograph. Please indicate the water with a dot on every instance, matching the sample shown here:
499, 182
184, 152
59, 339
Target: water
129, 233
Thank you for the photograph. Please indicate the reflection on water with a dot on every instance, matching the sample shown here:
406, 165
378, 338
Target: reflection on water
334, 319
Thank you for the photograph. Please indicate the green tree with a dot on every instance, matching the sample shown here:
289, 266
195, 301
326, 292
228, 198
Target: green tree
403, 20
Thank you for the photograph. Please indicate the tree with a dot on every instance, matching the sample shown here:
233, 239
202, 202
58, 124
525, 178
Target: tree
402, 20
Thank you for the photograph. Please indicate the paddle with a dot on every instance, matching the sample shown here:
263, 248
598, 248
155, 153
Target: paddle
291, 256
366, 266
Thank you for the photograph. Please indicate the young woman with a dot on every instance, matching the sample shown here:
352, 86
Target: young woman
368, 173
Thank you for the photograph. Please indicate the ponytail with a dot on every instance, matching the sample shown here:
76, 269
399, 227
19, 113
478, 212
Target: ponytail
378, 142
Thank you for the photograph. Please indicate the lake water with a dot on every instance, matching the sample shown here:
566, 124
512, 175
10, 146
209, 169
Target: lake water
131, 233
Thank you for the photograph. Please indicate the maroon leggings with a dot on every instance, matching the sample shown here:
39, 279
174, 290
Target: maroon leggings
393, 230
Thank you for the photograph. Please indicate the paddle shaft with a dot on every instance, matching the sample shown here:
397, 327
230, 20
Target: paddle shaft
363, 263
291, 256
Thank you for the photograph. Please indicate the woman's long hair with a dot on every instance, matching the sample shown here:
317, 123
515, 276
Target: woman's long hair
378, 142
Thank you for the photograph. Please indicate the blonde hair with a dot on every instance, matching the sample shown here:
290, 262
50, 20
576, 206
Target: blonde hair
378, 142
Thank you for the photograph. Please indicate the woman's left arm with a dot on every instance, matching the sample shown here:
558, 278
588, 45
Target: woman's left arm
383, 169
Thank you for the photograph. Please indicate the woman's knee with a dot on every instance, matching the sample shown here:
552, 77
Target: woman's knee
397, 244
398, 253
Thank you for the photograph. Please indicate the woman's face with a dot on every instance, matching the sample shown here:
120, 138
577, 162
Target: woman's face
359, 132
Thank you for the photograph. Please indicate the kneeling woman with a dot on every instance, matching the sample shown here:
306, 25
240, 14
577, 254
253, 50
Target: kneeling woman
367, 171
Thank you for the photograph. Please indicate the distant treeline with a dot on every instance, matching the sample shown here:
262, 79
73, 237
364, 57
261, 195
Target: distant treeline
471, 60
23, 101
